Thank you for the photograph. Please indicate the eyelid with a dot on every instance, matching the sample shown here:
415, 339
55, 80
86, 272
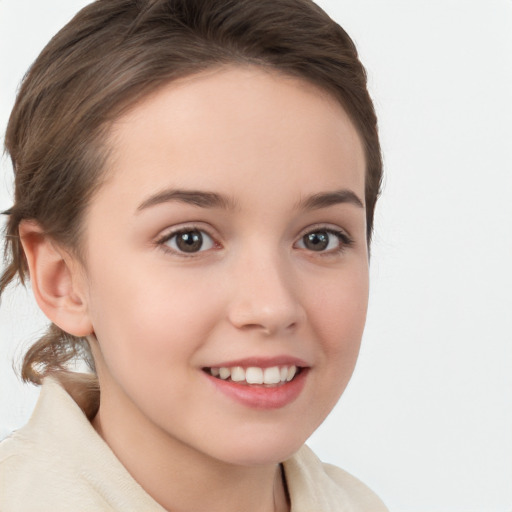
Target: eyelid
161, 240
344, 238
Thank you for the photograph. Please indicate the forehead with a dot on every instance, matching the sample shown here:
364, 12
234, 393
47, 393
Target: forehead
234, 126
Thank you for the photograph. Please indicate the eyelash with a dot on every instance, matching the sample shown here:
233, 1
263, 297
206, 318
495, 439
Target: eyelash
345, 241
163, 241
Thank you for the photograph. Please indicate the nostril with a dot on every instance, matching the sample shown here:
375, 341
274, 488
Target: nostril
258, 314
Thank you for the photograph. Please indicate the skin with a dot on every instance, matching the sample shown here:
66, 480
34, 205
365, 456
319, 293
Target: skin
265, 142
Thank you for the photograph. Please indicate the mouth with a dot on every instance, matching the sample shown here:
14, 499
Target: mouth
268, 383
274, 376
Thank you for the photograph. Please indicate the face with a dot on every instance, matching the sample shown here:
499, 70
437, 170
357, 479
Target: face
226, 263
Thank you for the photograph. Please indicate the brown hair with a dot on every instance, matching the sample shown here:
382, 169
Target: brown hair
113, 53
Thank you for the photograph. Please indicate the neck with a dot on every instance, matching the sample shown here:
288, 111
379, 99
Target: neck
176, 475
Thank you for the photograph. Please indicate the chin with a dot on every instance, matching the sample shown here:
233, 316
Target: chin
260, 448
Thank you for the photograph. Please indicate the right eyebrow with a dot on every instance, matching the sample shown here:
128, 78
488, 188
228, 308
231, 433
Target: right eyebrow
194, 197
326, 199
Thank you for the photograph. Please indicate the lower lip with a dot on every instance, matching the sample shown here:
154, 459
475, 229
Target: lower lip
261, 397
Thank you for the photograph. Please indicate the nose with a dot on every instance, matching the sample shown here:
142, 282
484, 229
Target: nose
265, 297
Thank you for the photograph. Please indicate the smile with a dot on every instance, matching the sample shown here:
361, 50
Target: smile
273, 376
257, 385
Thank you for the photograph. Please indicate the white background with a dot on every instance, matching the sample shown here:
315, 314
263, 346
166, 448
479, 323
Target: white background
427, 419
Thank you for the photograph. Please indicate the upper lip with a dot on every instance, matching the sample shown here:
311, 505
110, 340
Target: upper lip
262, 362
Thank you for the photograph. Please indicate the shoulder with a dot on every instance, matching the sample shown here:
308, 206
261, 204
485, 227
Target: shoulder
35, 475
57, 462
29, 474
319, 487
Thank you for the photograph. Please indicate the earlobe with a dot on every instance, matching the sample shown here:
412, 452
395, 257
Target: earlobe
56, 280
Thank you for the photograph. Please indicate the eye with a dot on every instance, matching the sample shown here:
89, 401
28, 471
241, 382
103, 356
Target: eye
324, 240
188, 241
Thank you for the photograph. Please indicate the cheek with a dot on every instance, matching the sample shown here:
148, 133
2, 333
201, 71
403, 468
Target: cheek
149, 315
337, 316
339, 309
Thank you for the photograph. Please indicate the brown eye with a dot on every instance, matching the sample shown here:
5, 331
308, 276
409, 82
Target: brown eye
190, 241
317, 241
324, 240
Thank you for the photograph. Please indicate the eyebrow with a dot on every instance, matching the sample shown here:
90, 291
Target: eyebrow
326, 199
193, 197
213, 200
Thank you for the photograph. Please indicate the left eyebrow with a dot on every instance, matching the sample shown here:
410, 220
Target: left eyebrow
326, 199
193, 197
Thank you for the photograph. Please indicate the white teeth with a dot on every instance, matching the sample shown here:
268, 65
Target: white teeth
237, 374
254, 375
224, 373
291, 373
271, 375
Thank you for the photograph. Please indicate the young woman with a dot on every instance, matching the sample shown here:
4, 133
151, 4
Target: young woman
195, 188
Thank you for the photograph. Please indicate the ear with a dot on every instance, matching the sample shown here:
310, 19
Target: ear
57, 280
